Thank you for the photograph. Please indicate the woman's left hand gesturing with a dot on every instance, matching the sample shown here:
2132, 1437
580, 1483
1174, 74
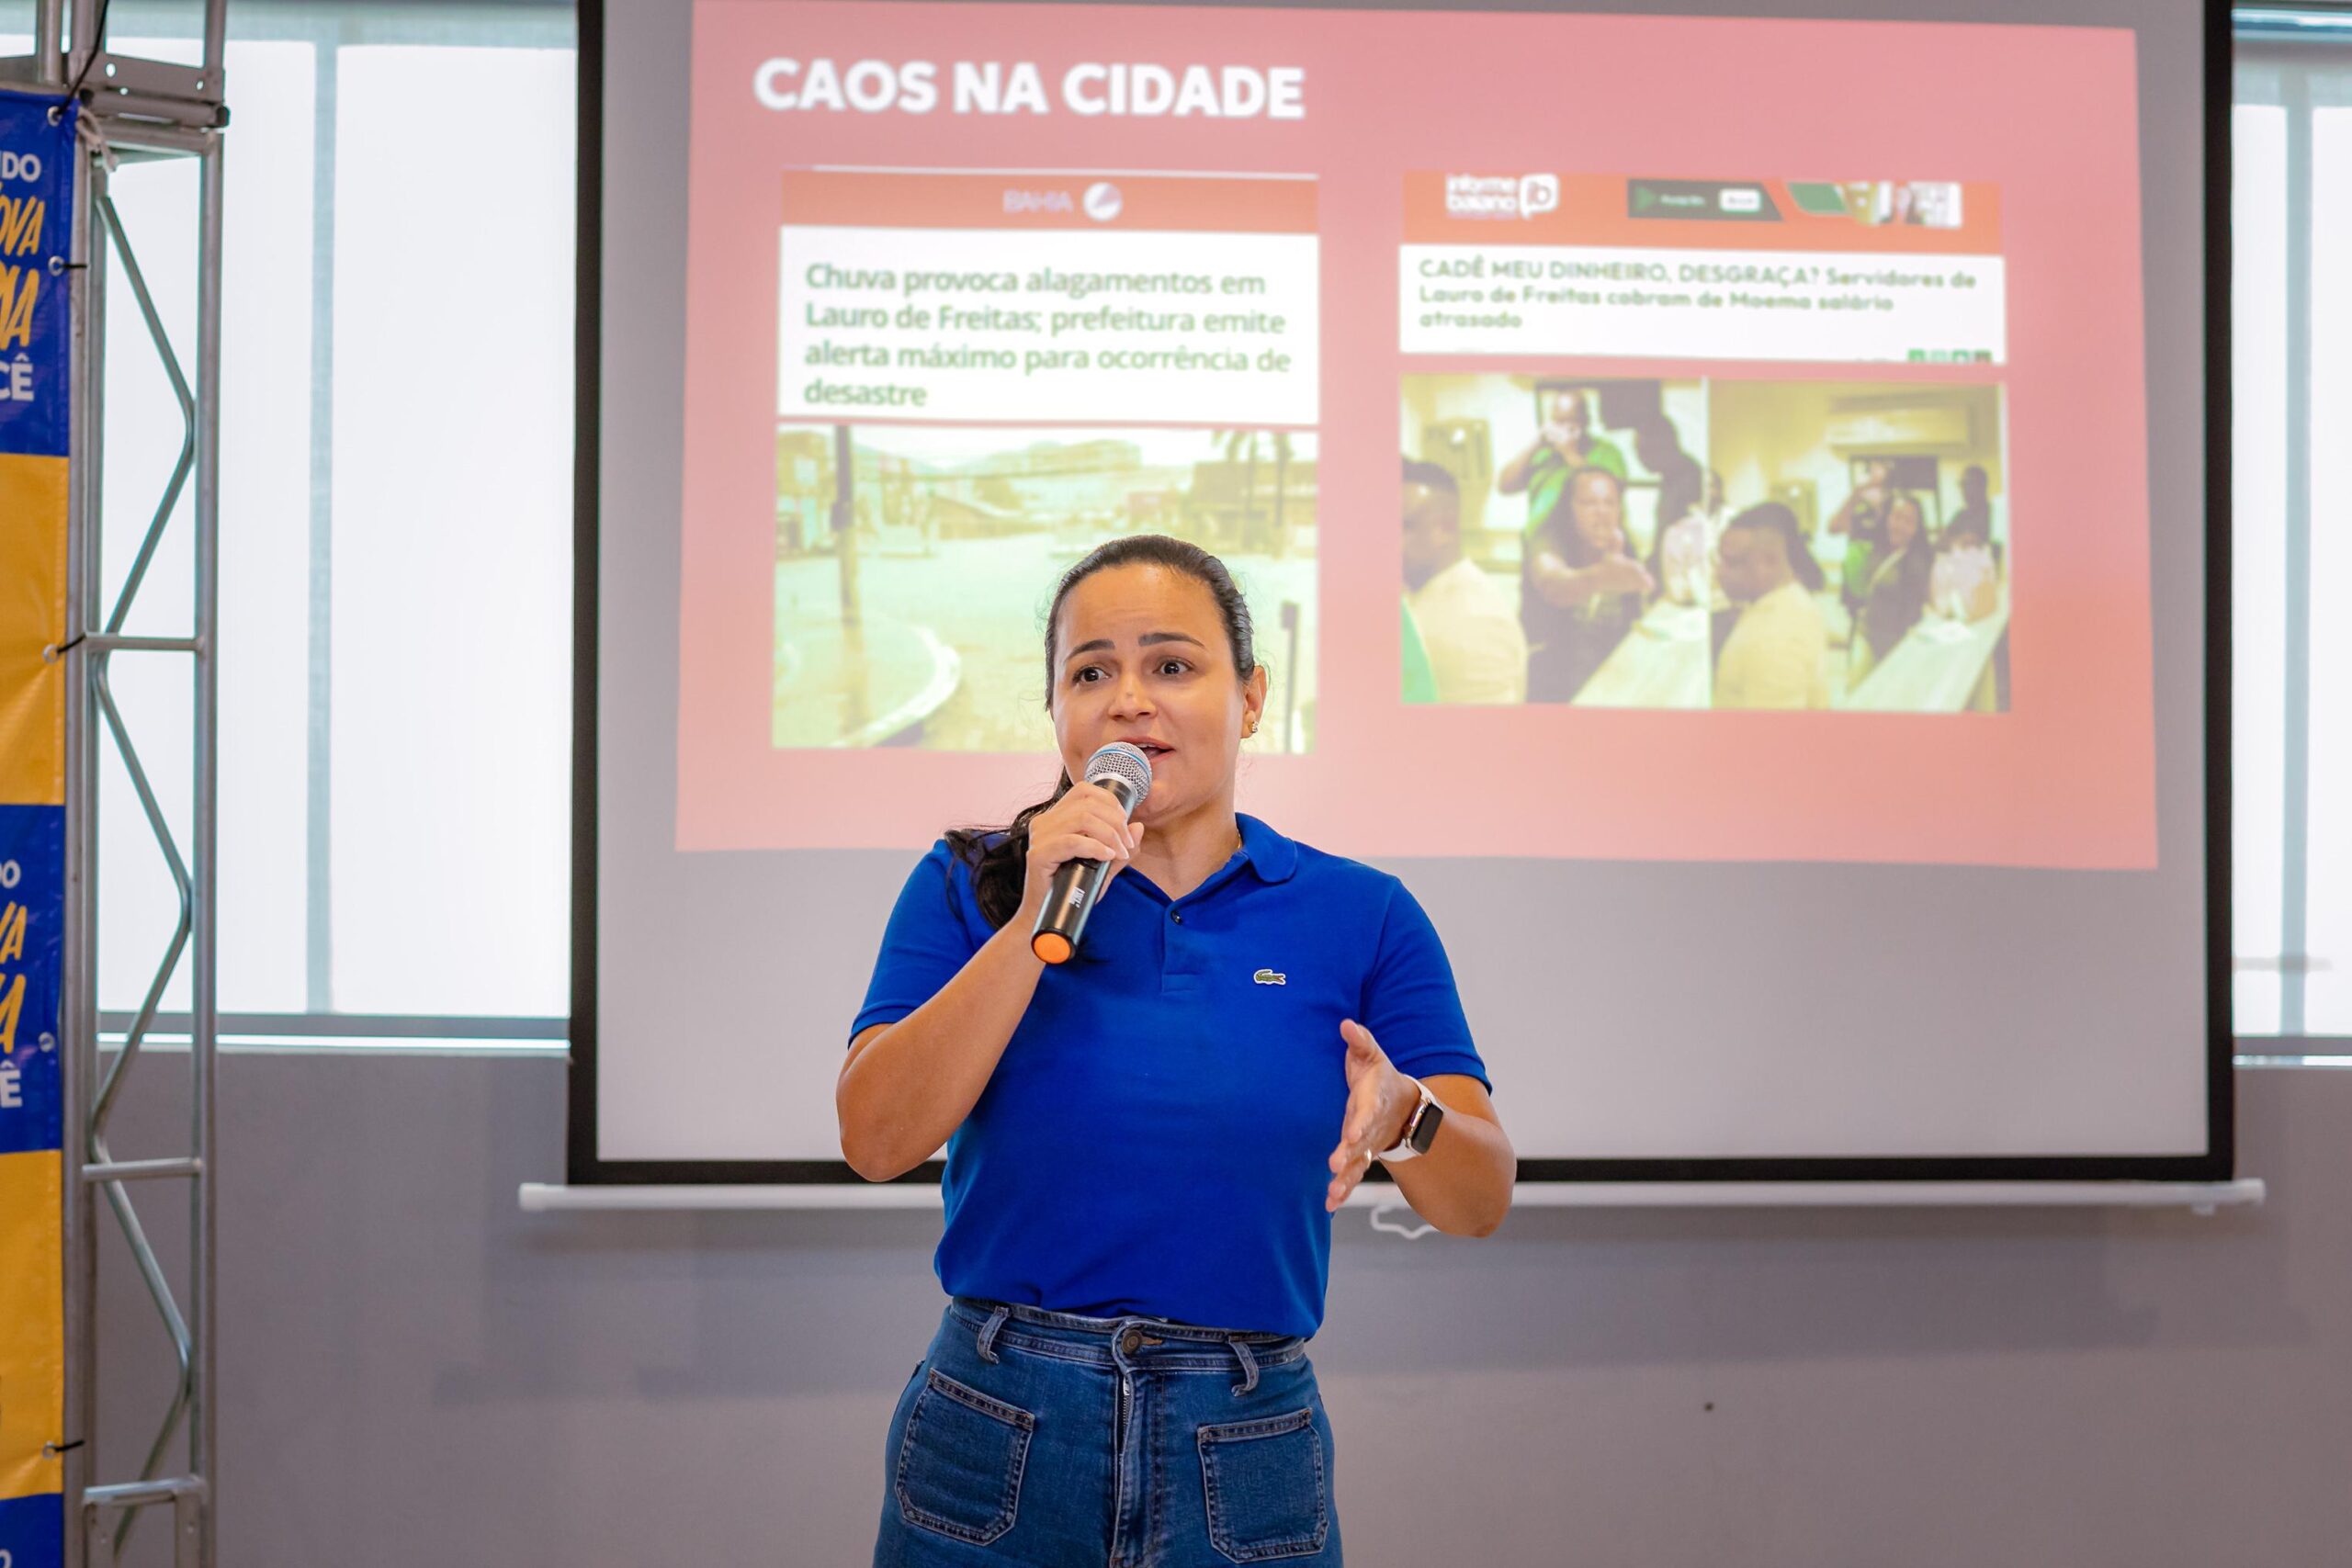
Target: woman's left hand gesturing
1379, 1098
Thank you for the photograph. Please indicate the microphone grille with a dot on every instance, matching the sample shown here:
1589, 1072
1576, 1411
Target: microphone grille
1123, 761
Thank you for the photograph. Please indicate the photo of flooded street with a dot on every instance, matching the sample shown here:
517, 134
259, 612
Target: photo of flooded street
911, 612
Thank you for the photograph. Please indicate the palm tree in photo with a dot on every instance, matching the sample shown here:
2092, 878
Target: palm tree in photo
1282, 489
1241, 447
1246, 446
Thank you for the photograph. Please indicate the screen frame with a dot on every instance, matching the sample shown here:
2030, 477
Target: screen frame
584, 1167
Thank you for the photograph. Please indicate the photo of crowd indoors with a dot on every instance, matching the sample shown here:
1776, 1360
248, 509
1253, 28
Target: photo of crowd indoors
1842, 546
1862, 559
1556, 541
907, 599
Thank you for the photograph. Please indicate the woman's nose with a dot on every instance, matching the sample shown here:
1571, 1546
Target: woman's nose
1129, 696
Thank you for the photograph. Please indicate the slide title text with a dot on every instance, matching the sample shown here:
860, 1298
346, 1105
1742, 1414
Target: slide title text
1144, 90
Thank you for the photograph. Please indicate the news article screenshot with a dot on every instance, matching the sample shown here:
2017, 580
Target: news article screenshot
1713, 536
941, 334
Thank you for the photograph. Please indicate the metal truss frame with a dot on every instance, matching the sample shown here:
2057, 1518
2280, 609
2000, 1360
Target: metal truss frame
136, 109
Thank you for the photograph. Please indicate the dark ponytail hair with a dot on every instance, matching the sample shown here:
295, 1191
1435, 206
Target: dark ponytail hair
1775, 518
1000, 856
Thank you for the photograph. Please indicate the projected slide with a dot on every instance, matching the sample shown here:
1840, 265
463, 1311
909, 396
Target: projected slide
1722, 499
1741, 472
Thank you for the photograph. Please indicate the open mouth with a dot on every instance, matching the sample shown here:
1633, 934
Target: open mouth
1152, 748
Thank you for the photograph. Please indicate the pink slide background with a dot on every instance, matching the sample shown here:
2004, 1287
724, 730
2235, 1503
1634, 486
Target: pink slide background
2065, 778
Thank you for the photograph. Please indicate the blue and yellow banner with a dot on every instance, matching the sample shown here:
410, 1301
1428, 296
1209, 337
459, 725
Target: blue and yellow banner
37, 153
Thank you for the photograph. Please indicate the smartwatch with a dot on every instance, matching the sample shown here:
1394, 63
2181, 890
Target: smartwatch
1421, 1129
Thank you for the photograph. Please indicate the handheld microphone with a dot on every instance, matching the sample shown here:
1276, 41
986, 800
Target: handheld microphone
1126, 772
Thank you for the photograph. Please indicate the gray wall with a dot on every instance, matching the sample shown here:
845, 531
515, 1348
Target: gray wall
416, 1372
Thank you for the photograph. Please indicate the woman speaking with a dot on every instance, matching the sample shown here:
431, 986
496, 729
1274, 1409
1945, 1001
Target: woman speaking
1144, 1143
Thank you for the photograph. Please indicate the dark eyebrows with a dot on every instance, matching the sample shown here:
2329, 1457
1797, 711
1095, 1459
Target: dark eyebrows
1147, 640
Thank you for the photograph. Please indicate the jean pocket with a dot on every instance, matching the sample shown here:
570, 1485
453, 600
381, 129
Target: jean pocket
1264, 1480
959, 1464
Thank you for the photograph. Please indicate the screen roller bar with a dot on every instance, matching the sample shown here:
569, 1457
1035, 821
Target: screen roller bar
2203, 1196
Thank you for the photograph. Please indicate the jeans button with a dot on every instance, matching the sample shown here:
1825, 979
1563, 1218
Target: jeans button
1131, 1341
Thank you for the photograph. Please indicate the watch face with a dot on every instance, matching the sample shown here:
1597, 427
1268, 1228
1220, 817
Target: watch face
1425, 1127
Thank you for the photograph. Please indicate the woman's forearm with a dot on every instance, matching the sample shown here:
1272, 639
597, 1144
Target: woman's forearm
1462, 1185
906, 1089
1568, 586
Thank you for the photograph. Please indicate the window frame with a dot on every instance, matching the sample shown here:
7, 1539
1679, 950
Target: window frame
327, 28
2290, 45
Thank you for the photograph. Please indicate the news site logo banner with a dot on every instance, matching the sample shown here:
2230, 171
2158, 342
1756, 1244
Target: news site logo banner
37, 156
1501, 196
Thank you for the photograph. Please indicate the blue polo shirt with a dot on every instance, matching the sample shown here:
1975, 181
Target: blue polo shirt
1154, 1139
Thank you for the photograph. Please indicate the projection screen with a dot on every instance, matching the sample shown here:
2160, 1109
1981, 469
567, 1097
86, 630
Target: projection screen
1869, 822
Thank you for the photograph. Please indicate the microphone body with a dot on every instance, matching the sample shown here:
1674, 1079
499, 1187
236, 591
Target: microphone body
1124, 772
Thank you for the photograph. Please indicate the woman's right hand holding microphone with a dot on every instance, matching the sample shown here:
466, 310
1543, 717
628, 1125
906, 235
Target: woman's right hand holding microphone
1086, 823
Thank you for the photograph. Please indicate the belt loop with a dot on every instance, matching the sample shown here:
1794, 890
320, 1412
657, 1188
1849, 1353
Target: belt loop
1249, 1368
988, 1333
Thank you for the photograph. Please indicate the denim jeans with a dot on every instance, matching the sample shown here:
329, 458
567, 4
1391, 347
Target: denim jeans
1053, 1440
